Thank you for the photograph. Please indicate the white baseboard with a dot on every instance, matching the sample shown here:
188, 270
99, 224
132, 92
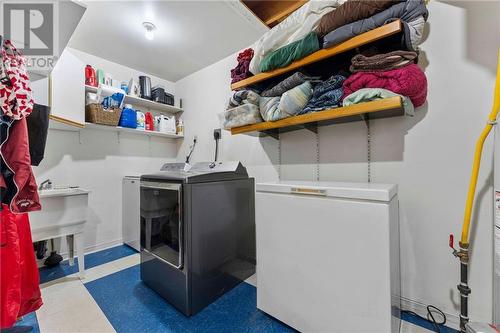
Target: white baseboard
452, 319
103, 246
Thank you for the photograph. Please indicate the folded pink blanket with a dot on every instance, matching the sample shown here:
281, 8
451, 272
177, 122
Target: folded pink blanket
408, 81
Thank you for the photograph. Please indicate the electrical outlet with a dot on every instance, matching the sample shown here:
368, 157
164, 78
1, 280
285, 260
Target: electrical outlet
217, 134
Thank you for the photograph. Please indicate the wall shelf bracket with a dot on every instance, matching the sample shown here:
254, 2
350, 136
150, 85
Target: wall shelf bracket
275, 134
313, 127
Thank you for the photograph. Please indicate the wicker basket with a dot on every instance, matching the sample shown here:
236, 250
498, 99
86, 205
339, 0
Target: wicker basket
94, 113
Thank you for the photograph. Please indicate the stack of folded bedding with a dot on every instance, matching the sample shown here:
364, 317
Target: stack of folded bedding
352, 11
294, 28
386, 75
242, 71
326, 95
324, 24
242, 109
408, 81
287, 54
412, 13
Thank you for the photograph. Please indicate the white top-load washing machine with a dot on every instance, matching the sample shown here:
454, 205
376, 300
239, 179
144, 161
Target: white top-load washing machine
328, 255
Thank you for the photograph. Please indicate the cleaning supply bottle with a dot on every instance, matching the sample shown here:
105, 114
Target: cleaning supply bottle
149, 121
141, 120
128, 117
90, 78
180, 127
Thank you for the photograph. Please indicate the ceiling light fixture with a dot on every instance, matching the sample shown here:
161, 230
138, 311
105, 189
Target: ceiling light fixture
150, 28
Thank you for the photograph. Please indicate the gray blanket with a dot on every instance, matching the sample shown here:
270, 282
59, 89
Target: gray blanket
406, 11
290, 82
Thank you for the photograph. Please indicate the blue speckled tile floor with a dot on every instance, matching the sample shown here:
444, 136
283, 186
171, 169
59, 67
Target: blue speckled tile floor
113, 299
91, 260
236, 311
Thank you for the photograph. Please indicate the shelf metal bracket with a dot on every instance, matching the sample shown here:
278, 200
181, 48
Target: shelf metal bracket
366, 118
118, 136
313, 127
275, 134
80, 137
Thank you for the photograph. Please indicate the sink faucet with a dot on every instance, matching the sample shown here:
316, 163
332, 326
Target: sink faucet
45, 185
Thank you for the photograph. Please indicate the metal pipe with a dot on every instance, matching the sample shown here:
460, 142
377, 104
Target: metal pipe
464, 290
463, 254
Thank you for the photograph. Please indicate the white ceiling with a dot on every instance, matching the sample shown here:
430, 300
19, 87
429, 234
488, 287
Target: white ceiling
190, 35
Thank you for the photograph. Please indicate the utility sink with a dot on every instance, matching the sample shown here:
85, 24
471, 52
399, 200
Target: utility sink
63, 214
56, 192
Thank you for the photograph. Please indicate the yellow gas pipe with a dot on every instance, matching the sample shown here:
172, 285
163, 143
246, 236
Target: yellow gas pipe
463, 253
464, 241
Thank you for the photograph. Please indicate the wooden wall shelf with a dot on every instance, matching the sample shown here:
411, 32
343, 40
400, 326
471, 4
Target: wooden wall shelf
272, 12
384, 108
360, 40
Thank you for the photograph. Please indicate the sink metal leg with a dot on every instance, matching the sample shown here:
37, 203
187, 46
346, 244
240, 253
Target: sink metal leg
70, 240
80, 253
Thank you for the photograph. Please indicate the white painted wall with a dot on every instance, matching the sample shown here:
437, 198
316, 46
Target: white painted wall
121, 72
428, 156
97, 160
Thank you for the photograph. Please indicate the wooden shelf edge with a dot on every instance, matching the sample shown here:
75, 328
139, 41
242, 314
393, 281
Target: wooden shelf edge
101, 127
66, 121
392, 103
283, 14
362, 39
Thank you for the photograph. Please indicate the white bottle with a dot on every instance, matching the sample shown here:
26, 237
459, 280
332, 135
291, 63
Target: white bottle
180, 127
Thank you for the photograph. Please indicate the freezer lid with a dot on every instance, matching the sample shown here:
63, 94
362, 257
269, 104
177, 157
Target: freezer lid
358, 191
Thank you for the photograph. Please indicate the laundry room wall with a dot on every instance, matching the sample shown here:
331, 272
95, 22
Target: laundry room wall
429, 156
98, 160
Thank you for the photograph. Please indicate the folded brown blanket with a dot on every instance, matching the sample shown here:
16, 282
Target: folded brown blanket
352, 11
382, 62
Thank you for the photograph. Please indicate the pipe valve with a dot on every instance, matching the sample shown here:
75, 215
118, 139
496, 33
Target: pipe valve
452, 245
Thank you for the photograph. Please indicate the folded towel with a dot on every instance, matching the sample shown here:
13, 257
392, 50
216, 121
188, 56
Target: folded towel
382, 62
290, 82
285, 55
407, 81
243, 97
373, 94
289, 104
326, 95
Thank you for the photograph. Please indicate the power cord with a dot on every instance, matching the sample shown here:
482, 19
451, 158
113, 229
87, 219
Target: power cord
191, 149
431, 310
217, 135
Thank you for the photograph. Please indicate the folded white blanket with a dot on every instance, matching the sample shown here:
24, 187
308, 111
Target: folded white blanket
294, 27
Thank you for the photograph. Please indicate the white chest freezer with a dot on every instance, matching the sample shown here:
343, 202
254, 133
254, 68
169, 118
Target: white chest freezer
328, 256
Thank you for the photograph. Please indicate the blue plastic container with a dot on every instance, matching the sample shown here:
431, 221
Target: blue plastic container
129, 117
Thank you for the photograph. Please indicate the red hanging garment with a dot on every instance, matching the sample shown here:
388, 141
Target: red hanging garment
19, 287
15, 156
10, 270
16, 97
31, 297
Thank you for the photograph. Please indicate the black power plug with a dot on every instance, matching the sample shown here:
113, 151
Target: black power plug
217, 134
